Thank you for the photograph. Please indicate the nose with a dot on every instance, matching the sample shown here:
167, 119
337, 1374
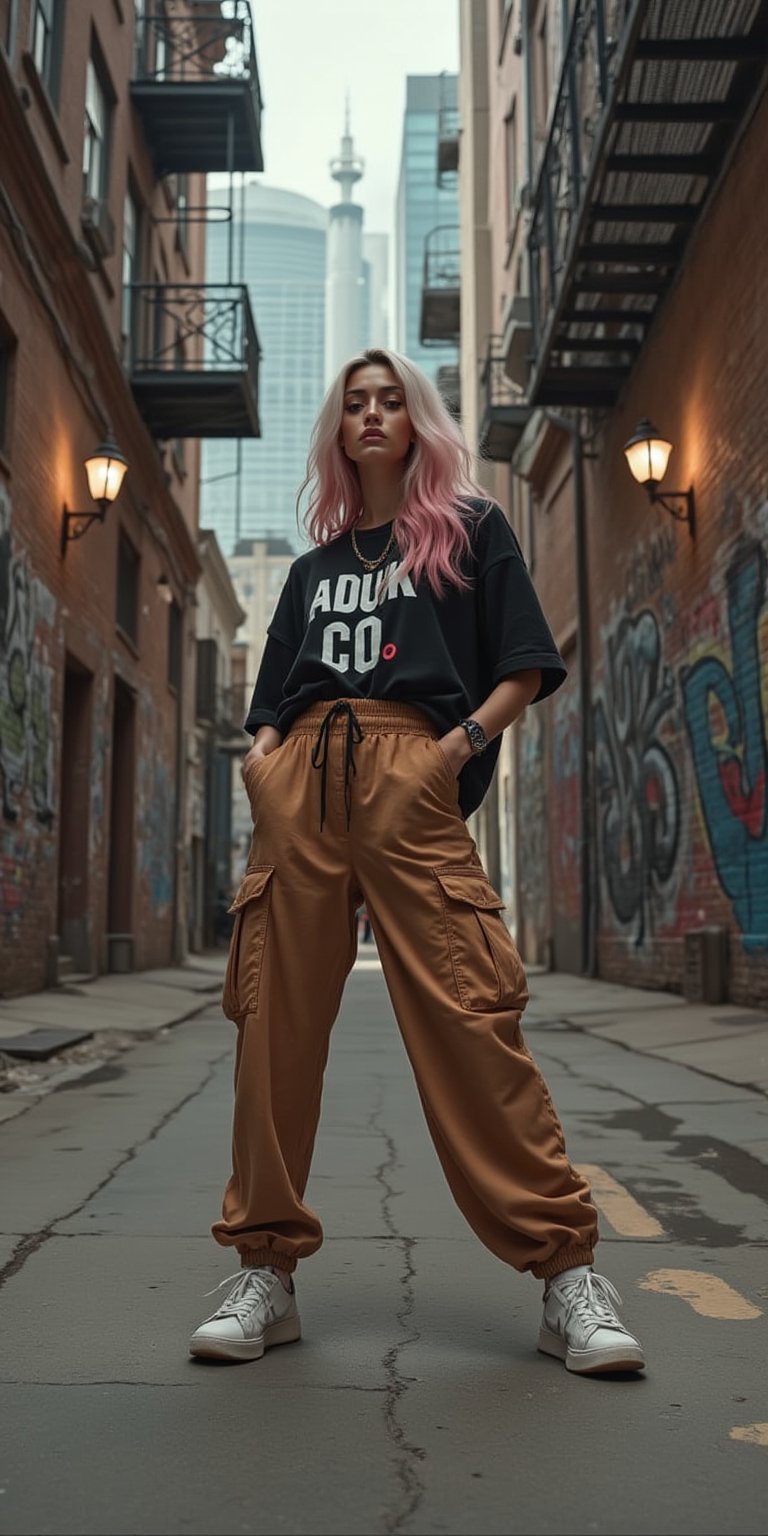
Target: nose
372, 413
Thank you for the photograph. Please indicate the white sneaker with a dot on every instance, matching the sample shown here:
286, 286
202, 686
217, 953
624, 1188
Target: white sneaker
581, 1327
257, 1313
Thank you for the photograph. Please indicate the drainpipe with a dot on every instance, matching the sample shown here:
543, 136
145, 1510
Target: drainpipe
588, 861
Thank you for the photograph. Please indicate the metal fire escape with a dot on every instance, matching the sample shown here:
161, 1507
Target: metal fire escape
653, 95
194, 350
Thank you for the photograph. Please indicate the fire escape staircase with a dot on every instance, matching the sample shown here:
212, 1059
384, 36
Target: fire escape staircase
653, 95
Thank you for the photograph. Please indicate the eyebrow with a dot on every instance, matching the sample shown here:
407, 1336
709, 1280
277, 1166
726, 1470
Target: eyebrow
387, 389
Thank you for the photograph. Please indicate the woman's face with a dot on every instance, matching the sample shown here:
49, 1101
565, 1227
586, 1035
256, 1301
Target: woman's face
375, 425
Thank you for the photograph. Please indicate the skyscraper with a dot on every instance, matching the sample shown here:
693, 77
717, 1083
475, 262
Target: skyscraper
423, 205
345, 317
376, 267
249, 489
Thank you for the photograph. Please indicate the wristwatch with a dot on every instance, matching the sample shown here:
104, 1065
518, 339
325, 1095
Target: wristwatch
477, 737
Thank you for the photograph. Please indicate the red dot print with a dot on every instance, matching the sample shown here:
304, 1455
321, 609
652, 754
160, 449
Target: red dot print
389, 652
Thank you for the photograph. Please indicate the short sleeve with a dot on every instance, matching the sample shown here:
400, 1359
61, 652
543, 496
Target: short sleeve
284, 636
515, 634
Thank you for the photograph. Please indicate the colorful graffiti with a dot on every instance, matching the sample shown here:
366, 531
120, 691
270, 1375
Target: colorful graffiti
566, 809
26, 721
532, 827
726, 726
637, 781
645, 571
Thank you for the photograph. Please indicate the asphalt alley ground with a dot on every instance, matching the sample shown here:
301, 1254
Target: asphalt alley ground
417, 1401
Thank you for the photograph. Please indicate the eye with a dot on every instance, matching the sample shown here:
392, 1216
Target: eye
394, 404
353, 406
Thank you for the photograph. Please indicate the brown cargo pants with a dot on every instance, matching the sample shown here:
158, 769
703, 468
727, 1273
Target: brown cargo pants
393, 835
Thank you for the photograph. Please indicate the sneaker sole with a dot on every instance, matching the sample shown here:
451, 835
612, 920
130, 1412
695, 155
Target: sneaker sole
286, 1332
588, 1362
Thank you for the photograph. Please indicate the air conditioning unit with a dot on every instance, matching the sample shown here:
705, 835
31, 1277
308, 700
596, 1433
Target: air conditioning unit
516, 340
98, 226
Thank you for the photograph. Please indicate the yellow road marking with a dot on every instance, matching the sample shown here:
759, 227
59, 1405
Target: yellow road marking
618, 1205
707, 1294
754, 1434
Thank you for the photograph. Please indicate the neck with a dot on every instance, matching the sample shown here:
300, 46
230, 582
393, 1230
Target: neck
382, 498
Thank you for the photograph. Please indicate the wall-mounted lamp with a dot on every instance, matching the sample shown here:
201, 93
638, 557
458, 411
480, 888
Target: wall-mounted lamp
106, 471
647, 454
164, 589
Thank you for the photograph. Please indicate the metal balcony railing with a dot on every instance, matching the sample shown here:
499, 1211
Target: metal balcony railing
196, 87
194, 359
505, 411
648, 105
441, 287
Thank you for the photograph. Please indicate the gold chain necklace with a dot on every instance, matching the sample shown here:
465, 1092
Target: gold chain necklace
371, 565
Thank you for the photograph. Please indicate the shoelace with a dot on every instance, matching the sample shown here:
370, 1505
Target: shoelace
321, 748
252, 1286
590, 1297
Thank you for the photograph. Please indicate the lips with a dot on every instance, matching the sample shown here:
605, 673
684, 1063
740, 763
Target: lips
372, 436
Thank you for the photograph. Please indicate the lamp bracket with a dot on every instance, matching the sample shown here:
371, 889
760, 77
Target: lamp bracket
75, 524
683, 514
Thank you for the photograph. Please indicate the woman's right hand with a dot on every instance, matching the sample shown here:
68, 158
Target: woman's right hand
266, 740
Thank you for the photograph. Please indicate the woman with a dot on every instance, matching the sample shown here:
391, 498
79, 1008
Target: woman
402, 646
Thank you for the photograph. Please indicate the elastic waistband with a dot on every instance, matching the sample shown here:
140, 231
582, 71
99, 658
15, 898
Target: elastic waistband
373, 714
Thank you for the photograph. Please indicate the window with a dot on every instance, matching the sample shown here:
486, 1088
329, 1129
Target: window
510, 145
46, 42
182, 210
96, 134
11, 23
127, 588
130, 269
139, 35
7, 358
161, 42
174, 646
541, 70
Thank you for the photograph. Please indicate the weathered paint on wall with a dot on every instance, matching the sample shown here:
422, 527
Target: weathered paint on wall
155, 821
724, 695
682, 756
27, 723
27, 619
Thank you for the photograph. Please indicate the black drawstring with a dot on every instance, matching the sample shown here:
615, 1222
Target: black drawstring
354, 735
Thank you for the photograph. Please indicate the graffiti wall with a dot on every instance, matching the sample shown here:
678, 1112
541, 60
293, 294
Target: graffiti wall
566, 803
682, 753
27, 620
725, 694
155, 814
637, 777
532, 843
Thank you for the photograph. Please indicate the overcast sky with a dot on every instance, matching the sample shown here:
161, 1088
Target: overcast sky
310, 52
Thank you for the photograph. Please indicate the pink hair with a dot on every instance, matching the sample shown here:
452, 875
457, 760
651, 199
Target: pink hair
437, 479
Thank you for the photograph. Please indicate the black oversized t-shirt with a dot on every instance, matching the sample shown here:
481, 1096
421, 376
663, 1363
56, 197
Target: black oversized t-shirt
330, 638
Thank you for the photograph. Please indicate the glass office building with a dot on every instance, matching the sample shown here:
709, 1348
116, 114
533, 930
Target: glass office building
248, 490
422, 205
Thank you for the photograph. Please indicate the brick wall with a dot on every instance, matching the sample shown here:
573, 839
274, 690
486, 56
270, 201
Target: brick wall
63, 658
680, 626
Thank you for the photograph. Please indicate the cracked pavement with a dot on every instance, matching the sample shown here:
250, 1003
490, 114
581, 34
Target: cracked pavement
416, 1401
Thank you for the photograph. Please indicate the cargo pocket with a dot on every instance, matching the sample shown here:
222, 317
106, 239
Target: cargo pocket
246, 947
487, 968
